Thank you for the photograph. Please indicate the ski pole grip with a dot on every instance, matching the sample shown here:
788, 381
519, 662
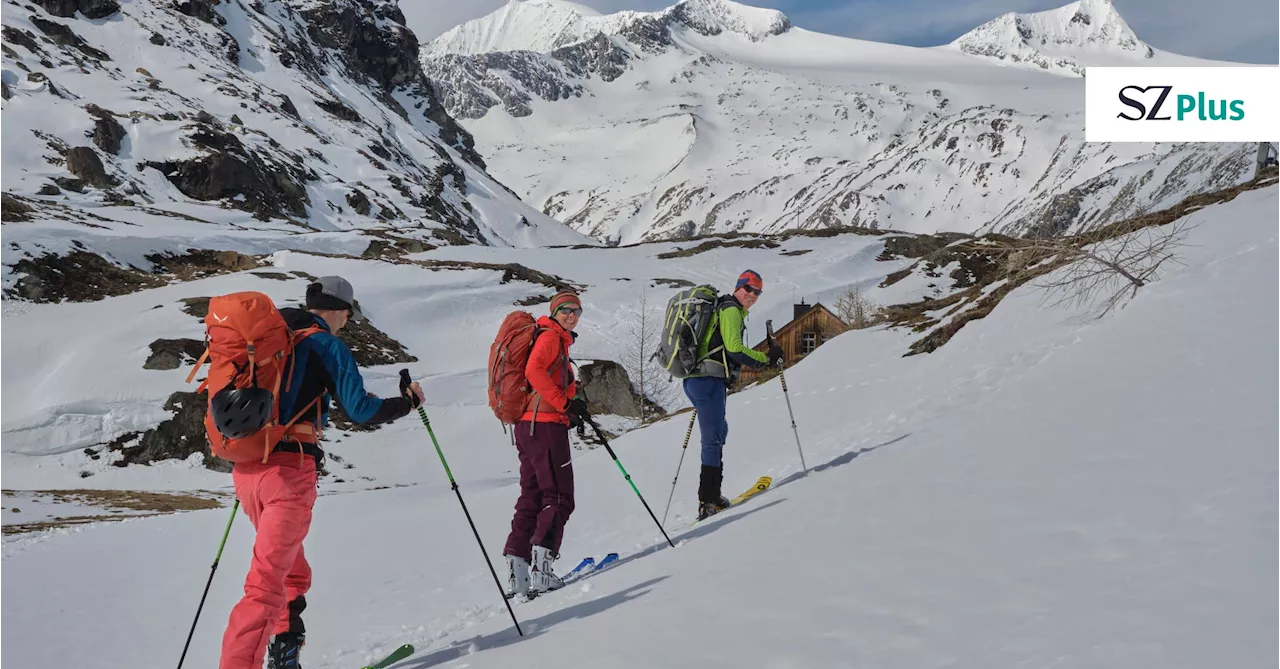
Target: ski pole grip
405, 381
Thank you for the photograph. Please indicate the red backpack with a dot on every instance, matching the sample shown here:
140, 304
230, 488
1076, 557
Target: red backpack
509, 390
249, 345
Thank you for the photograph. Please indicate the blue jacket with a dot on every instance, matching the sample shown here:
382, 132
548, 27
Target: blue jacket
322, 362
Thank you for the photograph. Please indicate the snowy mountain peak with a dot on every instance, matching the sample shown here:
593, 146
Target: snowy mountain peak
716, 16
1064, 40
546, 25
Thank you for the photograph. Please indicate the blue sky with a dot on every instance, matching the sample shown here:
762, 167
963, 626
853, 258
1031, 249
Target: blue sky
1237, 30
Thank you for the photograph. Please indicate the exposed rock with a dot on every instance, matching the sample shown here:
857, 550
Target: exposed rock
386, 53
79, 276
201, 263
917, 246
358, 201
195, 306
49, 189
173, 353
174, 439
201, 9
93, 9
158, 39
4, 91
63, 35
23, 38
14, 209
286, 106
85, 164
107, 131
339, 110
71, 184
757, 243
608, 389
268, 189
371, 346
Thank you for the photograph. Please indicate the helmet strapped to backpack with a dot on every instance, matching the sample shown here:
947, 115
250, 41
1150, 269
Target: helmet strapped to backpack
509, 390
250, 354
688, 314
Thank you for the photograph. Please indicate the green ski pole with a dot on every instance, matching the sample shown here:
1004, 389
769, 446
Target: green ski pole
217, 558
627, 476
405, 381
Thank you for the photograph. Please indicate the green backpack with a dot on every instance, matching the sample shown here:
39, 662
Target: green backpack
688, 314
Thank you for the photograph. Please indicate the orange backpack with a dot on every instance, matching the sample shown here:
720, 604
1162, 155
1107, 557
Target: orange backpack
250, 345
509, 390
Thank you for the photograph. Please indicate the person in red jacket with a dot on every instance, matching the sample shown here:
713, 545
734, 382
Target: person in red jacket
542, 440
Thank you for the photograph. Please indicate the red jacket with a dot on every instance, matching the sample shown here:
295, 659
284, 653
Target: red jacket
550, 375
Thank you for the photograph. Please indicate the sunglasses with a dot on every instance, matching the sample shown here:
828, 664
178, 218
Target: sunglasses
752, 290
571, 311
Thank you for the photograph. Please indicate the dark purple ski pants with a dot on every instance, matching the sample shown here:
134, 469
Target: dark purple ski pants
546, 489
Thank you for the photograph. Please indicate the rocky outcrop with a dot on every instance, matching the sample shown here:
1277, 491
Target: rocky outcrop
173, 353
608, 389
359, 201
266, 188
92, 9
174, 439
15, 209
63, 35
371, 346
201, 9
85, 164
107, 132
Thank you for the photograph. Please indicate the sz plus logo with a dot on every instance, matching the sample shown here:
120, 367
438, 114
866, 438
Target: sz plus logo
1188, 106
1182, 104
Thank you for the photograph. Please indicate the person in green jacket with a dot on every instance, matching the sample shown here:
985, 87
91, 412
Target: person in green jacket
722, 354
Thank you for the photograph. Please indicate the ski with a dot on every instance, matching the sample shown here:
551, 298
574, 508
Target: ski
762, 484
395, 656
582, 566
587, 566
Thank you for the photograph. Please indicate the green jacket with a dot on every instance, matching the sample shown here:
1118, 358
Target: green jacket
722, 351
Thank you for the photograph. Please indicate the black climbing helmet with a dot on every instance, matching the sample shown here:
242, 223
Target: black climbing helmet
239, 412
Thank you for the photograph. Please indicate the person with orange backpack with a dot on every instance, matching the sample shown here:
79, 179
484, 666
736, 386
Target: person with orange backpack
271, 375
538, 395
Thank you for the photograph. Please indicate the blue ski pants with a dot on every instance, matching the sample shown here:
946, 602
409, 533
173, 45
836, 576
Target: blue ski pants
708, 396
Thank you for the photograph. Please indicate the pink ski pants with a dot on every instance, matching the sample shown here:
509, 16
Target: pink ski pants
278, 497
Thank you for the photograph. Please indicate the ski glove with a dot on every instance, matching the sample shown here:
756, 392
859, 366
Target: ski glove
775, 355
413, 394
577, 412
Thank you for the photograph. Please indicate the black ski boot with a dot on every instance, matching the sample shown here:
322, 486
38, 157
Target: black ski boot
283, 651
710, 501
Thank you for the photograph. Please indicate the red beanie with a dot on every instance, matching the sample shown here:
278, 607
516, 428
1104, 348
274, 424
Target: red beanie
562, 298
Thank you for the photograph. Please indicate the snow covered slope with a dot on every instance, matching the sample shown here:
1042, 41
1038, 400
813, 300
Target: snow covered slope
711, 116
76, 388
232, 125
1043, 490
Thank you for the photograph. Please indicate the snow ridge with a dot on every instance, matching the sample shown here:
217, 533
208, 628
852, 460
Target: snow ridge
1063, 40
546, 25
